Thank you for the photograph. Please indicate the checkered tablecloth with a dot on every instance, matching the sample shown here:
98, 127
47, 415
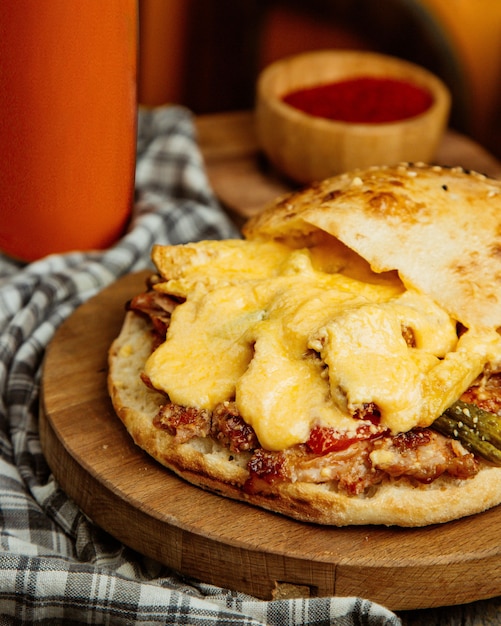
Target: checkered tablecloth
56, 567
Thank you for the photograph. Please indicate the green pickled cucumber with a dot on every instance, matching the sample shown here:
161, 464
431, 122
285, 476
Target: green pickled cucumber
479, 431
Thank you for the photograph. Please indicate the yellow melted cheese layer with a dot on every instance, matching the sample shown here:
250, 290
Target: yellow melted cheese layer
296, 344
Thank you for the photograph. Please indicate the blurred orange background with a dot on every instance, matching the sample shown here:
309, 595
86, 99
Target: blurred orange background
206, 54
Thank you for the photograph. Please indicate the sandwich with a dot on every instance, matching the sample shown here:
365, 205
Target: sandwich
341, 363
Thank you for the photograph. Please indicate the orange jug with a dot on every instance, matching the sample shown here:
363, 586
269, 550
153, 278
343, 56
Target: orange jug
67, 124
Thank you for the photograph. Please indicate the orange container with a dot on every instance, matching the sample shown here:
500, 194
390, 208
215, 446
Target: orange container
67, 124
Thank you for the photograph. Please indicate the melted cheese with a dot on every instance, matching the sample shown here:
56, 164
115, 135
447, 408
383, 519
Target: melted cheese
297, 342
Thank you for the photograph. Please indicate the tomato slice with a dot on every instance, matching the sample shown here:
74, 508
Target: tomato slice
324, 439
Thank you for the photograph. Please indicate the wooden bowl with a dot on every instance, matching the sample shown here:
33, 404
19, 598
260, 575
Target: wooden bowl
307, 148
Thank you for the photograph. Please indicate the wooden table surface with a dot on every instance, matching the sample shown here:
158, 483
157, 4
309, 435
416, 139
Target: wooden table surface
244, 181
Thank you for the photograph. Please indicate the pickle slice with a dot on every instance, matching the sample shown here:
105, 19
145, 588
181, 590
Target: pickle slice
479, 431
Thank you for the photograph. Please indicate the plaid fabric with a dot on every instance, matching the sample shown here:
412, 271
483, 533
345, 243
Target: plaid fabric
56, 567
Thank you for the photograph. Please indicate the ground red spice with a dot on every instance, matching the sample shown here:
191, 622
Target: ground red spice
363, 100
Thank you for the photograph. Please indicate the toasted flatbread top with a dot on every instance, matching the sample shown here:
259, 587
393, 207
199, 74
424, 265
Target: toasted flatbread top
439, 227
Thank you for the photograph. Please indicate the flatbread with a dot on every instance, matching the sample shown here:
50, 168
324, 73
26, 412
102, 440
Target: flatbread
440, 228
206, 463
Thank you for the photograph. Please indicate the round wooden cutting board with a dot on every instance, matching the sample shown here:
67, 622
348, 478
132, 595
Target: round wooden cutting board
227, 543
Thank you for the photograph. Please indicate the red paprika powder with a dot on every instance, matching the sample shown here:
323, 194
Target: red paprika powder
363, 100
